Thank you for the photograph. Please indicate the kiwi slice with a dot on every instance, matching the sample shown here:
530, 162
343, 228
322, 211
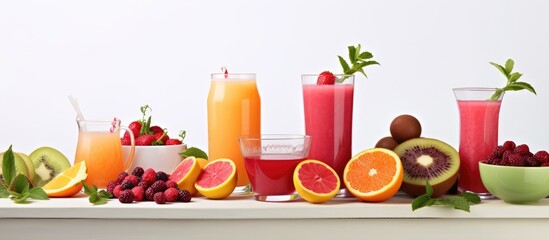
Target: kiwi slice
427, 159
48, 163
23, 165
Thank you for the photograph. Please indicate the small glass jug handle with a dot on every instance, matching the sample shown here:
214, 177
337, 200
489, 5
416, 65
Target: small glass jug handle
129, 161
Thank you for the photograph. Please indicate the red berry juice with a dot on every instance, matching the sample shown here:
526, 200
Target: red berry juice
329, 122
478, 138
272, 174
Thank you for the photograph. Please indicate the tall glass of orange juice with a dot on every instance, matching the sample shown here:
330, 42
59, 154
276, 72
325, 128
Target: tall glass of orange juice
99, 145
234, 109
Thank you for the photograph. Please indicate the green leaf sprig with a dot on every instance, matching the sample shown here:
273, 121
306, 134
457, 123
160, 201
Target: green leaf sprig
97, 197
145, 124
461, 202
194, 152
17, 187
512, 80
358, 61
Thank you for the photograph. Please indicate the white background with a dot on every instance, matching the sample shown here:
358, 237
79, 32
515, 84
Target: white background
115, 56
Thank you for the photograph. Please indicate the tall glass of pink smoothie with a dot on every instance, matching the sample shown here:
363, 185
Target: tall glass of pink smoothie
329, 119
479, 119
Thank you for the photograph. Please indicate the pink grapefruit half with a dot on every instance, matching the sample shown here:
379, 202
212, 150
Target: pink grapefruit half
218, 179
315, 181
186, 173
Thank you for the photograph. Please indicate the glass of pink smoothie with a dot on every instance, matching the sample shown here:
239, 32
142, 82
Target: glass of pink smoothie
479, 119
329, 120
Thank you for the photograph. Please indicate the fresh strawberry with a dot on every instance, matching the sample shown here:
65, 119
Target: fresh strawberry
156, 129
173, 141
145, 140
326, 78
161, 137
126, 141
135, 127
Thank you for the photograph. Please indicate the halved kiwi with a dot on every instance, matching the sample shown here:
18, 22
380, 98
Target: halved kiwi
23, 165
427, 159
48, 163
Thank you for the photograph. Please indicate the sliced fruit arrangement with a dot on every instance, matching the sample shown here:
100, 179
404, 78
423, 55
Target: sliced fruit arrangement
427, 159
23, 165
186, 174
509, 154
315, 181
218, 179
147, 135
373, 175
68, 182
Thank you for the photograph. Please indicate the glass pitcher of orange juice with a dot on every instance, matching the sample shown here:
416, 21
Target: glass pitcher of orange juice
234, 109
99, 145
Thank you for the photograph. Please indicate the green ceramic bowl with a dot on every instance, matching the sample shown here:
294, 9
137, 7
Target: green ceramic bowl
515, 184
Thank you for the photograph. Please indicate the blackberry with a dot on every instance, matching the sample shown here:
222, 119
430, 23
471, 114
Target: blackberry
126, 196
184, 196
161, 176
159, 198
149, 194
121, 177
127, 184
159, 186
138, 171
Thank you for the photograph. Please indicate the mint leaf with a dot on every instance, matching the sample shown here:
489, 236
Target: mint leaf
4, 193
500, 68
520, 86
87, 189
365, 55
194, 152
421, 201
428, 189
344, 64
100, 201
20, 184
509, 64
21, 198
95, 197
38, 193
470, 197
104, 194
352, 54
357, 59
512, 77
461, 202
8, 167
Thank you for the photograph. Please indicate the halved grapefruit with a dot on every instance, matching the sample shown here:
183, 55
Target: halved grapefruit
315, 181
218, 179
374, 175
186, 173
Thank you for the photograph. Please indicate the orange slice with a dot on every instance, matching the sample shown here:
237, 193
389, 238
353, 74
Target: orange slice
315, 181
68, 182
373, 175
186, 173
218, 179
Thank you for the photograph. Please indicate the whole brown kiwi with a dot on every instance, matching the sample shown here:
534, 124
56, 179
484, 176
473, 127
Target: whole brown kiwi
387, 142
405, 127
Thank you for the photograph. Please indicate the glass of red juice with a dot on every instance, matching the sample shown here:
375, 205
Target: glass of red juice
329, 120
270, 161
479, 118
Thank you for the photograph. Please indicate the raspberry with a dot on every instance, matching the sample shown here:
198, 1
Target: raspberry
522, 150
127, 185
542, 156
116, 191
171, 184
111, 186
531, 161
497, 153
172, 194
545, 164
121, 177
143, 184
509, 145
149, 176
139, 193
159, 198
159, 186
515, 160
126, 196
138, 171
493, 161
161, 176
184, 196
132, 179
506, 155
149, 193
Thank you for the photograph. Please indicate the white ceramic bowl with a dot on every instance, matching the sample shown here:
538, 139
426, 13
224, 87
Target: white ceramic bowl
159, 158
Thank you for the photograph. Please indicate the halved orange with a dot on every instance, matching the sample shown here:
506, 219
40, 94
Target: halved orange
68, 182
218, 179
186, 173
374, 175
315, 181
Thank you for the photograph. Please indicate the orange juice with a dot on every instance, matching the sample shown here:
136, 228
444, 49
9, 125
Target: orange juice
234, 109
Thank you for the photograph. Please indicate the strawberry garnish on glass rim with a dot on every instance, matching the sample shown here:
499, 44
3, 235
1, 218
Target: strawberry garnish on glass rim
358, 61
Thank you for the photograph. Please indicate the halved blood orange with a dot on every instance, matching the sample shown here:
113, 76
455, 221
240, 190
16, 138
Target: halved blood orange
218, 179
186, 173
373, 175
315, 181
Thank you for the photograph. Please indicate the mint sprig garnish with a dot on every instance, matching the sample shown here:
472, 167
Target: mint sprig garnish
358, 61
512, 80
96, 196
460, 202
17, 187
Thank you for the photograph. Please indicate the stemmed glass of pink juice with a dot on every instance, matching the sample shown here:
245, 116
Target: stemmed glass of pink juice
234, 109
329, 119
270, 161
479, 119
